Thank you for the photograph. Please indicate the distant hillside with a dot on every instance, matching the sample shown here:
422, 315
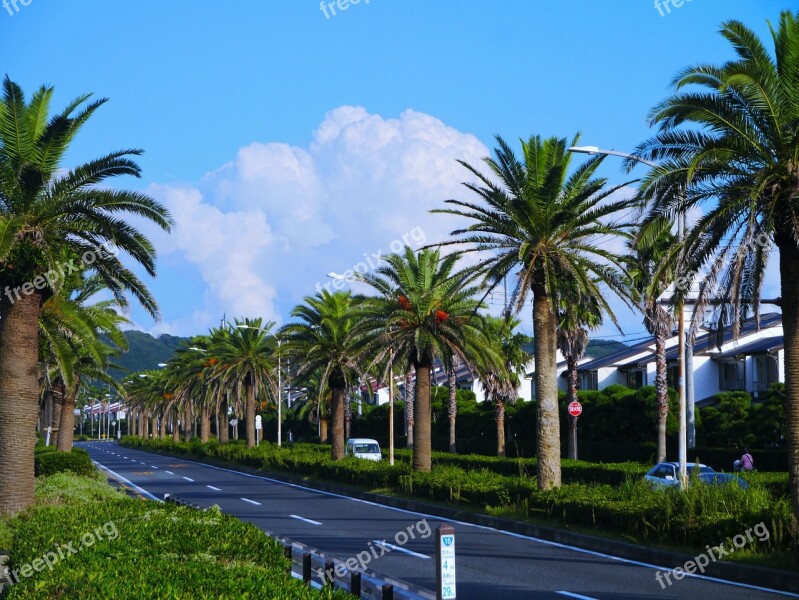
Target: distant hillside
145, 352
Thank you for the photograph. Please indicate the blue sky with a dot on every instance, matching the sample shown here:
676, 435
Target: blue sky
288, 143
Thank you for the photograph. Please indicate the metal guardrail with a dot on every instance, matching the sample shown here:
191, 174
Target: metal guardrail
307, 563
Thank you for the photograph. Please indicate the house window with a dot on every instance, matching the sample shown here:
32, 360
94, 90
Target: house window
636, 379
765, 372
672, 376
732, 376
587, 380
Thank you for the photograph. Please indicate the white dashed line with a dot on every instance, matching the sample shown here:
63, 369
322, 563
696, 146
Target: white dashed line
252, 501
399, 548
188, 479
311, 521
216, 489
170, 472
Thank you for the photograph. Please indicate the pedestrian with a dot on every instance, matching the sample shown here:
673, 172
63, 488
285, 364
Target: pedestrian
747, 462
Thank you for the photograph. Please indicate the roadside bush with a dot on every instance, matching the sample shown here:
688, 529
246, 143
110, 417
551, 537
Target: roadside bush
49, 462
146, 550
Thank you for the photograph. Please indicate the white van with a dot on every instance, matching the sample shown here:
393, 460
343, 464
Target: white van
363, 448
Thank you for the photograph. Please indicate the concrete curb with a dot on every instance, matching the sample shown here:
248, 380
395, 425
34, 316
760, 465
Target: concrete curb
729, 571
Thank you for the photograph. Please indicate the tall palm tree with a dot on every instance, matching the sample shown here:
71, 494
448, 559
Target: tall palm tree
729, 136
648, 282
501, 383
577, 315
247, 362
52, 219
325, 339
425, 310
546, 227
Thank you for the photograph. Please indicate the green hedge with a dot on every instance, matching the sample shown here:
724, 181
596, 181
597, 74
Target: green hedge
48, 461
147, 550
612, 497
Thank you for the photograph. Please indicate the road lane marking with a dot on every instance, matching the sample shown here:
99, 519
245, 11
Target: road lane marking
399, 548
251, 501
311, 521
170, 472
188, 479
153, 467
544, 542
571, 595
216, 489
128, 482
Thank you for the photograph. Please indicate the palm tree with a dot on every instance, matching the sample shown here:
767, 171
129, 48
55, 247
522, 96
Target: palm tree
547, 228
577, 315
730, 142
501, 384
425, 310
247, 361
326, 340
50, 221
648, 282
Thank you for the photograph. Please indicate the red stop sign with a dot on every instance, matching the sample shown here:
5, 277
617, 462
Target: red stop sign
575, 408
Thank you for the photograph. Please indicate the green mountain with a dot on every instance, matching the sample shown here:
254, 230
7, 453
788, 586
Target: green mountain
145, 352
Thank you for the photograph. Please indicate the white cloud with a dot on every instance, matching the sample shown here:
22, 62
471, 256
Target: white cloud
264, 228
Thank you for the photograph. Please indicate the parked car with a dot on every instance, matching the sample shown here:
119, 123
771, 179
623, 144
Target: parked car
363, 448
665, 474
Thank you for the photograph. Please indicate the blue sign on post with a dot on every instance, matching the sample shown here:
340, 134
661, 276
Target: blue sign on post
445, 563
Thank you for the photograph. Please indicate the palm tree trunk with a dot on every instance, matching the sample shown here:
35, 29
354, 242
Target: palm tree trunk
422, 450
175, 428
337, 416
224, 425
58, 406
662, 394
499, 411
409, 409
571, 362
67, 422
452, 408
47, 411
323, 431
347, 416
19, 400
187, 423
249, 392
546, 390
162, 426
154, 425
205, 423
789, 283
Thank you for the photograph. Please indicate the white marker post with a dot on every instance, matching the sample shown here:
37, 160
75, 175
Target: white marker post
258, 427
445, 562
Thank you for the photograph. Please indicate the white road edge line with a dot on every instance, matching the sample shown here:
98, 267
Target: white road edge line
572, 595
400, 549
188, 479
311, 521
252, 501
216, 489
128, 482
500, 531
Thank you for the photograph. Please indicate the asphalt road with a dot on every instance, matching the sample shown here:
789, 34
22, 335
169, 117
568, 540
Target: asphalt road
491, 564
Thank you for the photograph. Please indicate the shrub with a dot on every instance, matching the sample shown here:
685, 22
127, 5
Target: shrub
49, 462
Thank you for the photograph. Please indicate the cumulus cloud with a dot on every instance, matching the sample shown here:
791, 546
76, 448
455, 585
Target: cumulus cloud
265, 228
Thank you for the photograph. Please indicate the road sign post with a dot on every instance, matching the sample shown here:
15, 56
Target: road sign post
445, 562
575, 410
258, 427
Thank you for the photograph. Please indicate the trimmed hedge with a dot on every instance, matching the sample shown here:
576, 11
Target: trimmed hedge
147, 550
48, 461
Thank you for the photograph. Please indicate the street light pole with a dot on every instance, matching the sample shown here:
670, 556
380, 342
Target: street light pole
682, 375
